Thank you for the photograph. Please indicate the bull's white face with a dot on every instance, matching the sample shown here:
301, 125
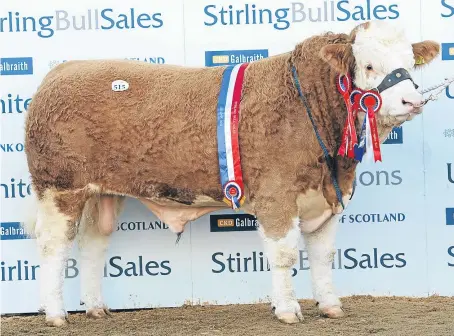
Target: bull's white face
378, 50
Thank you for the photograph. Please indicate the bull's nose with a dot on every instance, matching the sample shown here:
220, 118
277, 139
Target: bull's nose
412, 102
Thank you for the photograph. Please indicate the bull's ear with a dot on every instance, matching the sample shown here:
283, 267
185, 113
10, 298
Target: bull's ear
425, 52
338, 56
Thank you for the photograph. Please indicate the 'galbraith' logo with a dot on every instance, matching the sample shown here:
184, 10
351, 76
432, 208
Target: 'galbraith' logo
232, 57
395, 137
15, 66
447, 51
12, 231
233, 222
449, 216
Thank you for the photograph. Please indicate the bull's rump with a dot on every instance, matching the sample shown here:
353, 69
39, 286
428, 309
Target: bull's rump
158, 135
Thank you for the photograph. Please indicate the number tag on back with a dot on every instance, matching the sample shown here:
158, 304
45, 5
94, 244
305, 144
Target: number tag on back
120, 85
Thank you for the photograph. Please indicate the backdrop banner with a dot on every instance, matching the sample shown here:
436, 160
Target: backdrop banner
401, 243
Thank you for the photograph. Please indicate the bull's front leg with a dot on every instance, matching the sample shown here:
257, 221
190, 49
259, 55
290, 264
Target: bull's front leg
321, 250
280, 233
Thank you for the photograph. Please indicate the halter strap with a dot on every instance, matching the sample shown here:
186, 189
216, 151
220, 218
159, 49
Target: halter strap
394, 77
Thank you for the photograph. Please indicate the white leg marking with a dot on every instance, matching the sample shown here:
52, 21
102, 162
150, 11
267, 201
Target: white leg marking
54, 245
320, 248
282, 255
93, 245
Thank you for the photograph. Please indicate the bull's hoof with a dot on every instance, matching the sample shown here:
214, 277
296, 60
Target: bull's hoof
291, 314
97, 313
58, 321
332, 312
290, 318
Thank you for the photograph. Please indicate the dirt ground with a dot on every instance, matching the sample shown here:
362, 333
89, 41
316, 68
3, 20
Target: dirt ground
365, 315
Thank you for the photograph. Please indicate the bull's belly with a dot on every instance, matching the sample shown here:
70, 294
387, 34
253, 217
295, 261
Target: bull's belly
177, 215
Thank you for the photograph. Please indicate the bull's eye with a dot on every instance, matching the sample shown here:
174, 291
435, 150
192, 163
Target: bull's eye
369, 67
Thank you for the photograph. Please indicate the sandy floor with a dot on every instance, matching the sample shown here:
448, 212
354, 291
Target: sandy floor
366, 315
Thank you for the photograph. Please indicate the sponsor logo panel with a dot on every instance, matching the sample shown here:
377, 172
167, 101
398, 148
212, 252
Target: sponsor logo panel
344, 259
16, 66
20, 270
12, 231
233, 222
365, 218
447, 51
449, 216
15, 188
395, 136
232, 57
141, 226
13, 103
152, 59
296, 12
11, 147
105, 19
115, 267
369, 178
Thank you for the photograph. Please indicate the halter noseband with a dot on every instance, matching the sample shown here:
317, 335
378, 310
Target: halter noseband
393, 78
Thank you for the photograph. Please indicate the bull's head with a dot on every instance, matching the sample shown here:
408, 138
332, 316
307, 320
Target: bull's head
379, 57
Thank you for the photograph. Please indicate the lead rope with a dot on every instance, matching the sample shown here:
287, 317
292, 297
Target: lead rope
443, 85
328, 158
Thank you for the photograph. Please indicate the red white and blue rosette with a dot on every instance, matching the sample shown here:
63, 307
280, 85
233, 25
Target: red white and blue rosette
227, 134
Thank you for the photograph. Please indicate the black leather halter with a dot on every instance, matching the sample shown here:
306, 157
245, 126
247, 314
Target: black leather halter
394, 77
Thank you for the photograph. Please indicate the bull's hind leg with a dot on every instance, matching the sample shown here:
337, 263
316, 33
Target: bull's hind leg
320, 250
96, 225
281, 234
55, 231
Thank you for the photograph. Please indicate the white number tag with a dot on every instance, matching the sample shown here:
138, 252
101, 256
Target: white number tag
119, 85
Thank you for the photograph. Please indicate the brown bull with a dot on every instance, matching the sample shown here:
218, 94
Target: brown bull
89, 146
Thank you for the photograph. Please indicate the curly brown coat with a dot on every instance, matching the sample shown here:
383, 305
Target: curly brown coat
157, 140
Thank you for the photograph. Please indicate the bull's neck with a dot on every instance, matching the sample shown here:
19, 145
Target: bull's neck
318, 85
327, 105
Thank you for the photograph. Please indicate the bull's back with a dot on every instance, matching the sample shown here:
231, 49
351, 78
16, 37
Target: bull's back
161, 131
